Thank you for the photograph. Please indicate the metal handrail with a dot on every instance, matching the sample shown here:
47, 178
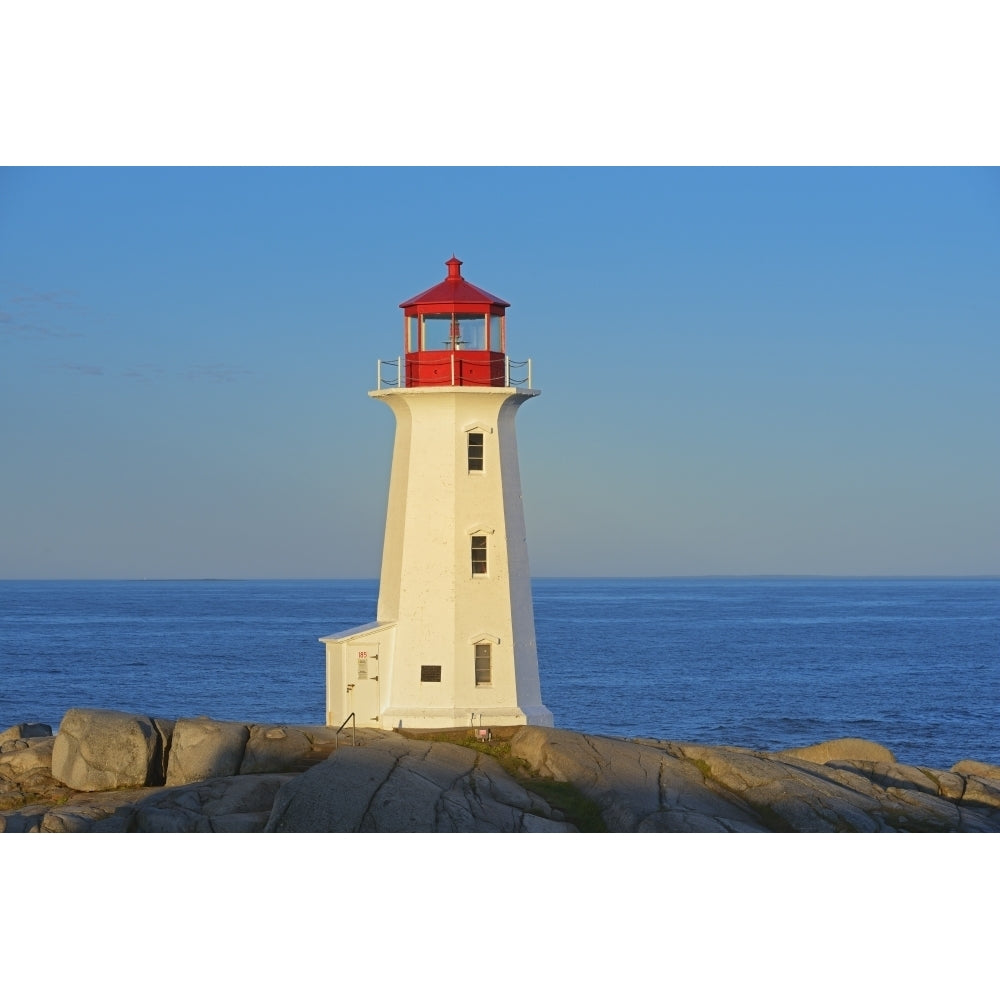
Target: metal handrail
398, 379
389, 383
526, 381
354, 733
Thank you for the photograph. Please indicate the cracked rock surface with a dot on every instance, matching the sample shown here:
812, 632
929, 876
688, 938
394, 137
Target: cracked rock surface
647, 785
394, 784
112, 772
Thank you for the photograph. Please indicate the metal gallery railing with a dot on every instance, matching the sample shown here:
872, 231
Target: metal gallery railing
392, 374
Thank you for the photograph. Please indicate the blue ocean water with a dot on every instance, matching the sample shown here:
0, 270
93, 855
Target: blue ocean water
759, 662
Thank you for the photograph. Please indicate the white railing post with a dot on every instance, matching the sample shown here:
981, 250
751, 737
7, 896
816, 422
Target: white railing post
453, 368
399, 373
529, 373
506, 374
378, 374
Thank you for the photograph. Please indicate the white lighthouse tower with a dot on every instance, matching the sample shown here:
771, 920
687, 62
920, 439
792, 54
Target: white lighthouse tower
454, 640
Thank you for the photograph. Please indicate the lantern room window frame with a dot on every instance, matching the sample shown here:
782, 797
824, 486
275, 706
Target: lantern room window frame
415, 332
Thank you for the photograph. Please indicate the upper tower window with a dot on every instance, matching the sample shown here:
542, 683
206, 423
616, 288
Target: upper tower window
475, 451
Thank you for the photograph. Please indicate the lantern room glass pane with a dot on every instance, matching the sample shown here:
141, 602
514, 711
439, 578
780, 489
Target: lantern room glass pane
472, 333
496, 333
437, 333
454, 333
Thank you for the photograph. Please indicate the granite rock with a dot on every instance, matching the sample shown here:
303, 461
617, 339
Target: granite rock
98, 749
203, 748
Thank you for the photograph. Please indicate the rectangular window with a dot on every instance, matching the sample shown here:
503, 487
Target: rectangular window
475, 451
429, 673
484, 670
478, 555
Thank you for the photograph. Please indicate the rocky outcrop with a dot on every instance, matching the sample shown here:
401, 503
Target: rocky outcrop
234, 804
97, 749
18, 758
648, 785
26, 773
991, 772
97, 812
220, 776
849, 749
397, 785
113, 772
23, 731
272, 749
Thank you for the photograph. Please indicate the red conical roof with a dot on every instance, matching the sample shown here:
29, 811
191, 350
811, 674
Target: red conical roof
455, 294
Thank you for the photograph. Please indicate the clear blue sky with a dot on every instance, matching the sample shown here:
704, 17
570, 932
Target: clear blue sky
742, 370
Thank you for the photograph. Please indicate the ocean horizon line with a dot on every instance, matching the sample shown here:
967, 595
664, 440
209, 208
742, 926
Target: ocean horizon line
588, 576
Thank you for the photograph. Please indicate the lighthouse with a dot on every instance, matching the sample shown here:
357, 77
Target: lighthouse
453, 644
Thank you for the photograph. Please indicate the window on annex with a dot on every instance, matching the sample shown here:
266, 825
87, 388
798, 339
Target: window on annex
484, 667
430, 673
478, 555
475, 451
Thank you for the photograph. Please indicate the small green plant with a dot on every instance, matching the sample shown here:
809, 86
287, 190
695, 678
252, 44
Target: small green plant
704, 767
584, 814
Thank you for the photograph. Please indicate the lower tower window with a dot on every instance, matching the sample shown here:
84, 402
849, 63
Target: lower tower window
484, 666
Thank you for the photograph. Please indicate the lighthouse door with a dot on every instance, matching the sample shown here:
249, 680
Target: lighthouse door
363, 687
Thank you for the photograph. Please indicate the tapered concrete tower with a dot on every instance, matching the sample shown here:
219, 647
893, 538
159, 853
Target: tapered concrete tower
454, 643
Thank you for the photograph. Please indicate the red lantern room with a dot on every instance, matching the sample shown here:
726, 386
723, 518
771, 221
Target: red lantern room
455, 334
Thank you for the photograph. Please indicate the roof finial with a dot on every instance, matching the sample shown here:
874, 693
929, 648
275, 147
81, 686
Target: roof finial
454, 269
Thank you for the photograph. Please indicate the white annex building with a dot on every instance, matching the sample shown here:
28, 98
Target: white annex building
454, 643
